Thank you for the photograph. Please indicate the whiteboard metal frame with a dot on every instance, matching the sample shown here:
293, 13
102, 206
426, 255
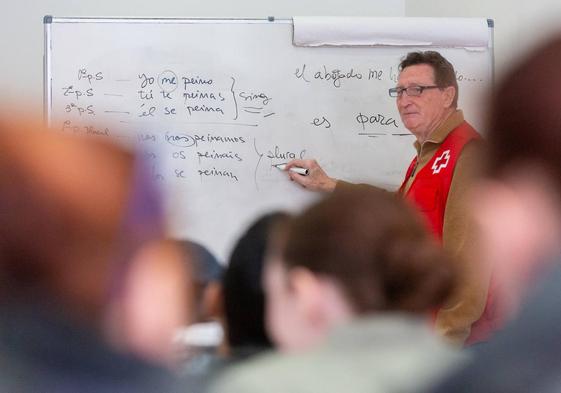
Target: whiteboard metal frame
167, 20
491, 24
47, 80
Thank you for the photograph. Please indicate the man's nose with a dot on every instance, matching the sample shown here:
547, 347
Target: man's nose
403, 100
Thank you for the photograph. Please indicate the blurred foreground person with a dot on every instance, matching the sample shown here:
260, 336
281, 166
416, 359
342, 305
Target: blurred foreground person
90, 293
207, 278
519, 209
199, 343
350, 284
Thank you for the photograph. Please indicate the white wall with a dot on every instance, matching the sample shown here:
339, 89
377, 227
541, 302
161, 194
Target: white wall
21, 29
519, 24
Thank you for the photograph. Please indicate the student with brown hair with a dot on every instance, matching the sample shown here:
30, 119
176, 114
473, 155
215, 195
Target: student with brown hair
350, 284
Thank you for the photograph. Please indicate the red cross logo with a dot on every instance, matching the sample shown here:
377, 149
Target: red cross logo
441, 162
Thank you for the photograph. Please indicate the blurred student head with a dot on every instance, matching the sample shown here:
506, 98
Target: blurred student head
244, 298
357, 252
81, 230
518, 207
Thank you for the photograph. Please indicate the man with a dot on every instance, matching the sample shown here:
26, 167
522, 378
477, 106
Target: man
437, 179
519, 210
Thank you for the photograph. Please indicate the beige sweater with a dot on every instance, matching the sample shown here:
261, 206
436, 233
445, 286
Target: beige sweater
466, 305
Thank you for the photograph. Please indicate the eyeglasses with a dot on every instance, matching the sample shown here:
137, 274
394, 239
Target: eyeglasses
411, 91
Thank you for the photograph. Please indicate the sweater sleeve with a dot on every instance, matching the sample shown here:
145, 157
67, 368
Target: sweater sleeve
466, 305
343, 185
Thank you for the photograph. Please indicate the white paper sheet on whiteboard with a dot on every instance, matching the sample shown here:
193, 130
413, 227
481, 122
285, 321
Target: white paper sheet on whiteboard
469, 33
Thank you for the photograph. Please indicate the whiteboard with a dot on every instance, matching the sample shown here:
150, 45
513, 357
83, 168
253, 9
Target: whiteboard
214, 104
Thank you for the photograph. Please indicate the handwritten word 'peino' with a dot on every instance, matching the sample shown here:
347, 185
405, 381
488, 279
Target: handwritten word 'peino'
196, 80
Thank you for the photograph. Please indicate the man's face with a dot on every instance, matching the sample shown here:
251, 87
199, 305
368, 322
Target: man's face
423, 114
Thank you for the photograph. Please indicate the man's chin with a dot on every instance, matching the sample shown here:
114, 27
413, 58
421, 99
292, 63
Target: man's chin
410, 124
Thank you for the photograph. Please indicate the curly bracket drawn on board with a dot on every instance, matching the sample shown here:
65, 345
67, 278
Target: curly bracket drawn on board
258, 162
234, 97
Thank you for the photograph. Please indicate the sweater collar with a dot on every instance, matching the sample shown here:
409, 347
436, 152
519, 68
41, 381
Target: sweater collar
438, 135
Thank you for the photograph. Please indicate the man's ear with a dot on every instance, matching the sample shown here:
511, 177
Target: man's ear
307, 290
449, 95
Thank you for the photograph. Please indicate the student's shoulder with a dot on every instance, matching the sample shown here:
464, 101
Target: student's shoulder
271, 373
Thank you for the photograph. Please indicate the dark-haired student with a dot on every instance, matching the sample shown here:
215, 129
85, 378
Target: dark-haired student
242, 300
243, 294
